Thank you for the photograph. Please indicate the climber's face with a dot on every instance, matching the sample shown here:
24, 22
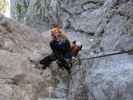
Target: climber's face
55, 30
55, 33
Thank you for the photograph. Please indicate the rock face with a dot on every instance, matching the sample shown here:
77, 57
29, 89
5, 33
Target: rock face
107, 78
68, 14
108, 26
13, 7
19, 79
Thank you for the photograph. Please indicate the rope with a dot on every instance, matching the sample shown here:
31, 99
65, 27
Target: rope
104, 55
109, 54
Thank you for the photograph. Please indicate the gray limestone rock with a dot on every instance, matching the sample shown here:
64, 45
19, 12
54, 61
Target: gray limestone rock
109, 22
19, 77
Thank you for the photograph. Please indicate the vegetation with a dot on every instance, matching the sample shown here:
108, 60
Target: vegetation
3, 5
21, 8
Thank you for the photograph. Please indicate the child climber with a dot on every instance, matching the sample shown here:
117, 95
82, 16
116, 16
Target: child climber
61, 49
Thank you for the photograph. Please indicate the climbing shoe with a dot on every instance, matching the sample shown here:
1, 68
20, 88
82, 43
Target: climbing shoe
69, 71
64, 66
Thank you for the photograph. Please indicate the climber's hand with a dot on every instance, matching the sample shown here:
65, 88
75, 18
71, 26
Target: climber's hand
76, 61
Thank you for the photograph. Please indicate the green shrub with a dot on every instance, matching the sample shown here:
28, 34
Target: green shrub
21, 8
